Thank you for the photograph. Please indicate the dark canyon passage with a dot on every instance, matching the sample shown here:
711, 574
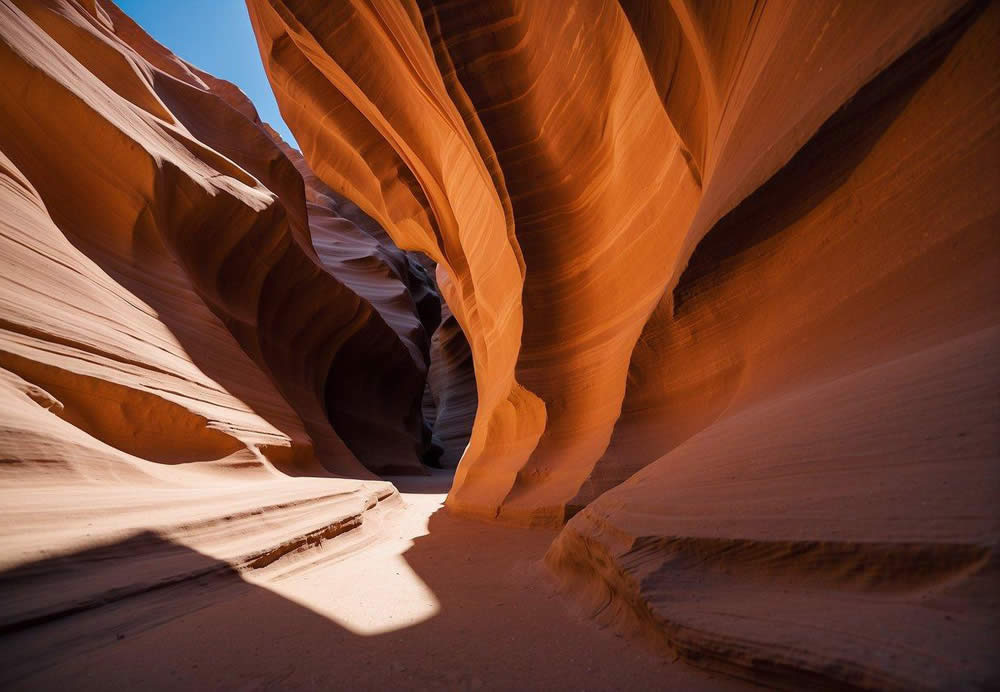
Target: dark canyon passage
581, 342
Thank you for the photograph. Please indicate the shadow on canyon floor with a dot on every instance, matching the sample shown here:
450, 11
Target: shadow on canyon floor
498, 623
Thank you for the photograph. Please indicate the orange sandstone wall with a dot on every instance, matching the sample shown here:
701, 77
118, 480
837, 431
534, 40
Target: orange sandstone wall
160, 296
561, 162
725, 275
802, 487
874, 241
356, 251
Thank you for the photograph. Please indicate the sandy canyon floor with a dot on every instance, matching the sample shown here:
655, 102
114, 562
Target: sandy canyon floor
415, 597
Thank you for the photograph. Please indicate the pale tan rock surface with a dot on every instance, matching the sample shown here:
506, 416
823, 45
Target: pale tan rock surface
406, 601
176, 271
166, 328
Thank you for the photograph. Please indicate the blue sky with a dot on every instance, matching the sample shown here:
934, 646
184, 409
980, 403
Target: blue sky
216, 36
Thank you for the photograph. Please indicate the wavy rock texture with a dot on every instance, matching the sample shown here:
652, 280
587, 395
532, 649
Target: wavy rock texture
167, 333
406, 157
355, 250
169, 296
797, 310
744, 251
451, 381
721, 287
560, 165
817, 398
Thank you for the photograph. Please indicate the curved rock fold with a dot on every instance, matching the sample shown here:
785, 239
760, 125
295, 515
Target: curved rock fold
709, 288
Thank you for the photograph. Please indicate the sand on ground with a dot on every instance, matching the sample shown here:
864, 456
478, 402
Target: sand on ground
417, 598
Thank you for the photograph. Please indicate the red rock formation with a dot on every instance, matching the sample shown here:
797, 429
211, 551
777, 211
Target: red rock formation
490, 156
722, 277
815, 393
698, 359
357, 252
448, 207
159, 380
752, 243
169, 297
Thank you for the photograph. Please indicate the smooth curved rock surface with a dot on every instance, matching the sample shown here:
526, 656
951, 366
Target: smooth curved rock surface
169, 297
361, 256
452, 384
357, 251
793, 310
168, 336
744, 251
817, 396
721, 286
560, 167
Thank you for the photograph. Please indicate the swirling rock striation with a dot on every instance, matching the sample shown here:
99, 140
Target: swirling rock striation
721, 289
357, 252
493, 157
728, 277
163, 301
451, 382
813, 396
167, 332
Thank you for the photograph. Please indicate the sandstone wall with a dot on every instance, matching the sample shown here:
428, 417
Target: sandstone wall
160, 289
561, 163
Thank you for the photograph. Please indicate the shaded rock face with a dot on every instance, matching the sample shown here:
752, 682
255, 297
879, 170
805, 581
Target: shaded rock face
451, 383
823, 270
812, 411
728, 273
165, 295
355, 250
563, 199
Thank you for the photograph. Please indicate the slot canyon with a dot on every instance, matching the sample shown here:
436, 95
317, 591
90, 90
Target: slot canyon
562, 344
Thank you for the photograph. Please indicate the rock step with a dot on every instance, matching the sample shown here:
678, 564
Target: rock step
229, 531
798, 614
